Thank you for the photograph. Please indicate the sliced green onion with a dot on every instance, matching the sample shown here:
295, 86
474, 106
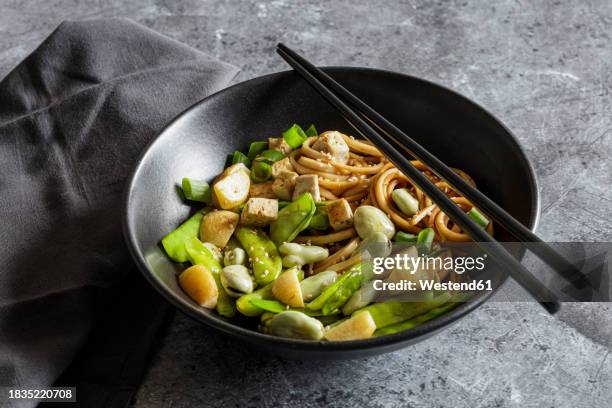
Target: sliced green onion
261, 171
402, 236
405, 201
239, 157
478, 217
196, 190
270, 156
311, 131
424, 240
319, 221
294, 136
255, 148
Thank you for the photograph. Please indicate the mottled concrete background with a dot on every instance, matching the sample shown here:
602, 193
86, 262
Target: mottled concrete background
544, 67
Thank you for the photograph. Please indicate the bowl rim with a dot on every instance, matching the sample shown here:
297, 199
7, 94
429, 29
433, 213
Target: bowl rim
427, 328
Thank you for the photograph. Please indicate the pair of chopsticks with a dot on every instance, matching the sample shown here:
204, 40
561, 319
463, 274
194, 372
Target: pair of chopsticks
392, 141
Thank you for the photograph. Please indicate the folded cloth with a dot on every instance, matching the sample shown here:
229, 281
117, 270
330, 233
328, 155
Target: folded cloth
74, 117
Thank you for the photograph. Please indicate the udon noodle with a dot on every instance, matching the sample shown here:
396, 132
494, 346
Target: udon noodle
369, 179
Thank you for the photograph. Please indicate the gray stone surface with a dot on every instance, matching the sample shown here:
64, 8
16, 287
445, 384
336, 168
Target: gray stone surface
544, 67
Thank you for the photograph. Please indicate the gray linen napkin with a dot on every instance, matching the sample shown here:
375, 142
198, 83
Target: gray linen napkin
74, 116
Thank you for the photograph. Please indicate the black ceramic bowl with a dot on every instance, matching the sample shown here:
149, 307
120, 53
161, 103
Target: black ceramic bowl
197, 142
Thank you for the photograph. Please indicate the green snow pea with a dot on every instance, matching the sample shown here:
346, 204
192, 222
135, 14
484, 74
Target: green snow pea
392, 312
418, 320
343, 293
328, 297
267, 263
199, 254
272, 306
174, 242
247, 307
293, 219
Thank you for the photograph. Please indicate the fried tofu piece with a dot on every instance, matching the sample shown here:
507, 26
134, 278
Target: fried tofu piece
307, 183
334, 145
340, 214
279, 143
231, 188
284, 185
281, 166
259, 212
263, 190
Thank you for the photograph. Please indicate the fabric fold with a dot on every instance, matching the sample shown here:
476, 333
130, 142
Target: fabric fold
74, 117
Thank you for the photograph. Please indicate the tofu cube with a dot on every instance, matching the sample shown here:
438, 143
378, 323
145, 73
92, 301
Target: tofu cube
279, 143
284, 184
340, 214
334, 145
263, 190
307, 183
231, 188
259, 212
280, 166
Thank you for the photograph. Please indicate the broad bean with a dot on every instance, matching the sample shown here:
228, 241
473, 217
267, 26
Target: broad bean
296, 325
236, 280
368, 220
298, 255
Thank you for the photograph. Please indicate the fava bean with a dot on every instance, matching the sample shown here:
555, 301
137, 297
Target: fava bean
296, 325
235, 256
377, 245
236, 280
298, 255
405, 201
368, 220
314, 285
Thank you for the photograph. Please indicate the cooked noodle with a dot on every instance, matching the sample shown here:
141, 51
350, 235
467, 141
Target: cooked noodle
369, 178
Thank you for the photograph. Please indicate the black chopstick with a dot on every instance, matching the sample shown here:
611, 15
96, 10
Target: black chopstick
481, 201
503, 258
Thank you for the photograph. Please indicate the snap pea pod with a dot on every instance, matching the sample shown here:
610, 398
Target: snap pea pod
319, 221
391, 312
329, 319
293, 219
246, 307
328, 294
199, 254
344, 292
174, 242
319, 204
416, 321
267, 263
274, 306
